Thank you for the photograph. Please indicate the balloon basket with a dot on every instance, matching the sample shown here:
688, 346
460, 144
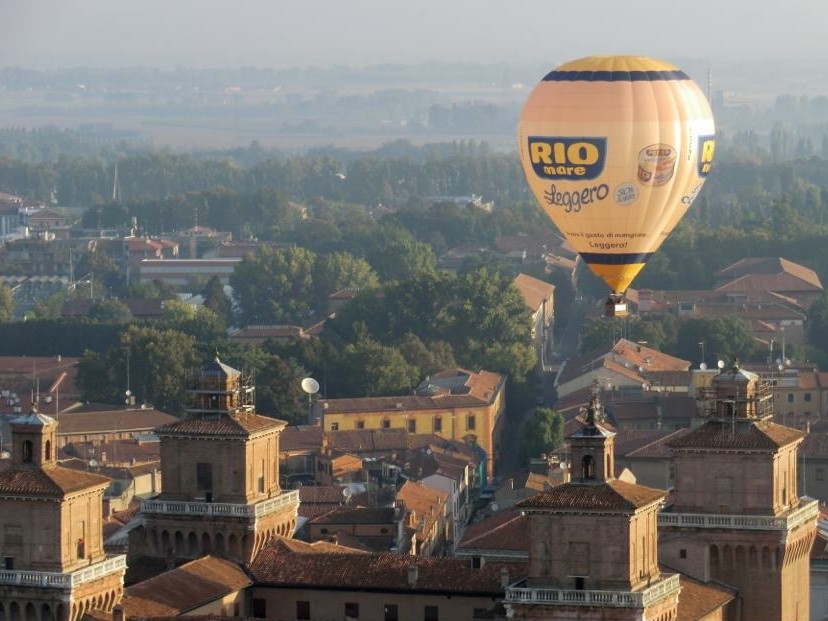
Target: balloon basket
615, 306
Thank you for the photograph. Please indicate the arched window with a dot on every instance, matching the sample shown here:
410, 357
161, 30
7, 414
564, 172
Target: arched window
28, 453
47, 450
587, 467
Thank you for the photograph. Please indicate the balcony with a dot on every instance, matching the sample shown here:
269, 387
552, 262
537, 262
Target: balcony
222, 509
805, 512
576, 597
58, 580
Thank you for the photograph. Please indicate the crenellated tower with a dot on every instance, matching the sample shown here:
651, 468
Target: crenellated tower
594, 542
220, 476
736, 515
51, 538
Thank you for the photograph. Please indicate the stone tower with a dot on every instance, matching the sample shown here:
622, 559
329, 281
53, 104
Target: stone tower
735, 515
54, 565
220, 476
594, 550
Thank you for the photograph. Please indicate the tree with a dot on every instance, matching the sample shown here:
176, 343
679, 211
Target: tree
724, 337
217, 301
279, 390
332, 272
429, 359
201, 323
159, 362
274, 285
6, 304
543, 432
110, 310
374, 370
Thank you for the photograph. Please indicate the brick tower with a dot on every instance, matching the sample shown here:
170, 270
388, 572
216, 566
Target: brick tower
220, 476
594, 550
54, 565
735, 515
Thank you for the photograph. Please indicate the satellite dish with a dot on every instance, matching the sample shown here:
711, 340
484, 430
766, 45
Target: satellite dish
720, 364
495, 507
93, 463
310, 385
703, 366
347, 492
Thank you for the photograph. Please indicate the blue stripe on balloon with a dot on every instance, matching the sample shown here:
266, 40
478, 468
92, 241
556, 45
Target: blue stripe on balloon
614, 76
602, 258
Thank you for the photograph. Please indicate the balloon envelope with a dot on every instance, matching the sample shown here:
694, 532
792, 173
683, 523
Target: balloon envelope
616, 149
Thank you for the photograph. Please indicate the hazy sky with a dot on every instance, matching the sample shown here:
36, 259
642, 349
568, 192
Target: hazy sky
281, 33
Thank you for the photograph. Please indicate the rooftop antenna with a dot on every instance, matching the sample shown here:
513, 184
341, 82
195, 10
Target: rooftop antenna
311, 387
116, 186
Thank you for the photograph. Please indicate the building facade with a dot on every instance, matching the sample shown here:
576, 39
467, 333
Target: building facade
220, 478
736, 516
460, 405
54, 564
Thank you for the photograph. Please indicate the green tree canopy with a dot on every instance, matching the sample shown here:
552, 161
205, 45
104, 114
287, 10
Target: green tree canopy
543, 432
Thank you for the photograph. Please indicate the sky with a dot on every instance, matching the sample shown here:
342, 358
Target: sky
288, 33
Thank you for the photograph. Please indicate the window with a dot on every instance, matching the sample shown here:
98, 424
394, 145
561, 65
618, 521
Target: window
820, 474
27, 452
48, 450
807, 397
303, 611
790, 397
8, 563
682, 553
386, 423
470, 422
579, 584
334, 426
259, 608
261, 481
360, 424
412, 425
351, 610
431, 613
391, 612
438, 424
204, 476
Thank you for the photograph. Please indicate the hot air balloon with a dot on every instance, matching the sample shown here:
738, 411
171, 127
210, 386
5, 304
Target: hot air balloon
616, 149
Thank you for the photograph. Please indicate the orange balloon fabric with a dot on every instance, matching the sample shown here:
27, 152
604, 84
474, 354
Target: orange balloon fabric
615, 150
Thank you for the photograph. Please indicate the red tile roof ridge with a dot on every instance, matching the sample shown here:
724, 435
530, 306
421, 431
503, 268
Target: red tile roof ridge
491, 525
50, 482
613, 495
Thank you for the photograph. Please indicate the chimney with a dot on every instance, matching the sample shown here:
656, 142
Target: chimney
412, 575
118, 613
504, 577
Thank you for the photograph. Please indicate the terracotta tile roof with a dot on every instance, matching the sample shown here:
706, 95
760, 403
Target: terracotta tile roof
301, 438
381, 572
612, 495
321, 494
502, 531
772, 266
659, 448
239, 424
534, 291
524, 479
115, 452
630, 440
368, 440
115, 420
187, 587
425, 505
285, 545
745, 435
697, 600
815, 445
51, 482
357, 515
